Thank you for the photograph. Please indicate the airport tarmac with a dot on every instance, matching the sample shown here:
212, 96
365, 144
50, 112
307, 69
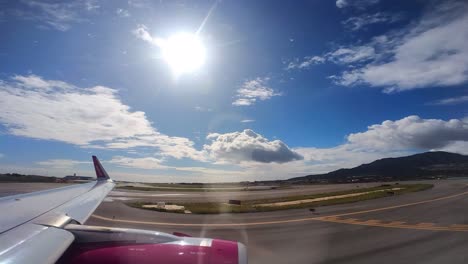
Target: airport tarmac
424, 227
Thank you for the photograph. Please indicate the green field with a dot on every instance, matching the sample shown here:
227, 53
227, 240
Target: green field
177, 188
250, 206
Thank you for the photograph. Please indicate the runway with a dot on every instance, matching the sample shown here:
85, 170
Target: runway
424, 227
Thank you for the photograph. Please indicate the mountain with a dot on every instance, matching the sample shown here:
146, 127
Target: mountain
437, 164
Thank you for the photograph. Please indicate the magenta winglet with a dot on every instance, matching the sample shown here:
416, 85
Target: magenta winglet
101, 174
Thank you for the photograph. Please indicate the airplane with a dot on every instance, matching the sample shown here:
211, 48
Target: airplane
48, 227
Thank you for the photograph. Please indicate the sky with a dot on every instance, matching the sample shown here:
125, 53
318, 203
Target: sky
226, 91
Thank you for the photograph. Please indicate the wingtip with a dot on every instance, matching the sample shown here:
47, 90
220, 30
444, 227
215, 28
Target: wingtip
101, 173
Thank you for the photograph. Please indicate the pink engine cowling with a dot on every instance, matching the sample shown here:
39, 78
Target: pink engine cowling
115, 245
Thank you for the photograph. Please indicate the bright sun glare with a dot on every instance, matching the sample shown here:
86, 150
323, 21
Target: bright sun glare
183, 52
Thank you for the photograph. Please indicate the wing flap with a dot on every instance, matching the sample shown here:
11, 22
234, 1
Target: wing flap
25, 207
30, 243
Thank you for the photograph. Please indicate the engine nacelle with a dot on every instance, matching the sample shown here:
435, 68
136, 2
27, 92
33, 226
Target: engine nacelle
95, 244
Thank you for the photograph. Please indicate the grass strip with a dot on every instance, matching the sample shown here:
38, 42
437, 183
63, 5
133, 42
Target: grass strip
250, 206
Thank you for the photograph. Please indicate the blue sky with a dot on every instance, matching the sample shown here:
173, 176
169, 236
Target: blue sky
285, 88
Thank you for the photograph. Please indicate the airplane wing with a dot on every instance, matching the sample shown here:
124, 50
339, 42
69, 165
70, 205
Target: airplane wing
32, 225
47, 227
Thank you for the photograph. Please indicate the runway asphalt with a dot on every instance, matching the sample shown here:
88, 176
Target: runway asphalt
424, 227
171, 196
411, 228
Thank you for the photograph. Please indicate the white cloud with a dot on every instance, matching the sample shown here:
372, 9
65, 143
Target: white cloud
244, 101
359, 4
247, 121
122, 12
247, 155
138, 3
202, 109
305, 63
419, 56
341, 3
451, 101
37, 108
389, 139
61, 163
139, 163
33, 107
142, 33
359, 22
348, 55
56, 15
176, 147
248, 146
253, 90
411, 132
342, 55
151, 163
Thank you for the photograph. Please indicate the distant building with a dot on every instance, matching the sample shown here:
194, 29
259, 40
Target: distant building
74, 178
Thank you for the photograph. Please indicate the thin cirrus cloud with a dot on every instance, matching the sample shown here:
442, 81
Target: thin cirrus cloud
451, 101
419, 56
56, 15
413, 57
342, 55
202, 109
359, 22
304, 63
247, 121
61, 163
254, 90
149, 163
358, 4
122, 12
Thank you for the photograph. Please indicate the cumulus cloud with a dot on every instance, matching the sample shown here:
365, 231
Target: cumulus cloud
248, 146
142, 33
411, 132
418, 56
451, 101
397, 138
358, 22
253, 90
33, 107
37, 108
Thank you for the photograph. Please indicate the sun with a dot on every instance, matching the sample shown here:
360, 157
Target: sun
183, 52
